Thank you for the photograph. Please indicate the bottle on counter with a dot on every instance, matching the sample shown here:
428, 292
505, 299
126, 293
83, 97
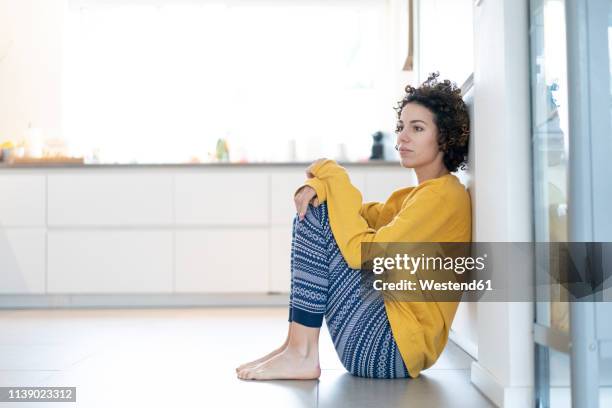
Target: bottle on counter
34, 142
222, 150
341, 153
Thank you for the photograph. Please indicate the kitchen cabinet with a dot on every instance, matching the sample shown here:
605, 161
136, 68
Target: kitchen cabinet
109, 261
221, 198
22, 260
379, 185
22, 200
115, 199
280, 258
282, 186
222, 260
170, 230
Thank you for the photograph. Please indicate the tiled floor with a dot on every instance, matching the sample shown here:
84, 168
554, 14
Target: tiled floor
186, 358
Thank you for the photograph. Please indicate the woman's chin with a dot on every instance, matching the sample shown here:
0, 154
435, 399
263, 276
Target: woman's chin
406, 163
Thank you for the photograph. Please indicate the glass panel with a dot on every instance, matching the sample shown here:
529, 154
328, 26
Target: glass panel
605, 361
550, 141
610, 54
550, 175
560, 390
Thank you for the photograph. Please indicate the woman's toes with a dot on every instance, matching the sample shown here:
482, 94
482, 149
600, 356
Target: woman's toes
245, 374
286, 365
261, 359
242, 374
247, 365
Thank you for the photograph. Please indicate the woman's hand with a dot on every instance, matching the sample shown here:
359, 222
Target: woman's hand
307, 195
303, 197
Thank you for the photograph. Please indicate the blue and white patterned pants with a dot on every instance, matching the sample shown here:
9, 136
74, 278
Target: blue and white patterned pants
322, 284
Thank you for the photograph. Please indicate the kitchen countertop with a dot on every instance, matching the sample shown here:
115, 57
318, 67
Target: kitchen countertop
384, 163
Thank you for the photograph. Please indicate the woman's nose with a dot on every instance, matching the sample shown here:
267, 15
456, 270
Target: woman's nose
401, 139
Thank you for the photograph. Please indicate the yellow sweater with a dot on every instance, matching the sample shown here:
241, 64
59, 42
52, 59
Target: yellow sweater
437, 210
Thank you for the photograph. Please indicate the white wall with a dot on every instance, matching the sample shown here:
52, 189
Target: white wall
30, 66
445, 43
501, 191
445, 39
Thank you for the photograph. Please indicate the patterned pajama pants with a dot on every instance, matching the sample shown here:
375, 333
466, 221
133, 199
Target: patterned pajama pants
322, 284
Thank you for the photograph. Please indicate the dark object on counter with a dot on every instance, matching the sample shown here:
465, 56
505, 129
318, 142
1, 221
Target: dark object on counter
377, 147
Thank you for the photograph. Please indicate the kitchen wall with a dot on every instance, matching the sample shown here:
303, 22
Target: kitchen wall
502, 191
445, 39
445, 43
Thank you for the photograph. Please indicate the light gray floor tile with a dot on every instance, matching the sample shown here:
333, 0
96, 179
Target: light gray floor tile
433, 388
186, 358
453, 358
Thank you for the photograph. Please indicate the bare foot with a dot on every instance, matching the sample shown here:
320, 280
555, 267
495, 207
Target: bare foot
289, 364
262, 359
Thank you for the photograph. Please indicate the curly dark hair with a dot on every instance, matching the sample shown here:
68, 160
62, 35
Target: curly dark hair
451, 116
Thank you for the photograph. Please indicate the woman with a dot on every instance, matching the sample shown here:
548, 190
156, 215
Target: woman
375, 337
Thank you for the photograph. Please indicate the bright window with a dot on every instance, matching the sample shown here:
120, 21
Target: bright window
162, 81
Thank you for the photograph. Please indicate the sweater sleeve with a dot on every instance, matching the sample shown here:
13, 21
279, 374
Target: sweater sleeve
370, 211
420, 219
317, 186
333, 172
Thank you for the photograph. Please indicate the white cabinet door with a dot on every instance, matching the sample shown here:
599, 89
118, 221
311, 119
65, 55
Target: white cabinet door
22, 260
379, 183
218, 198
280, 259
282, 186
222, 260
121, 199
22, 200
357, 177
98, 261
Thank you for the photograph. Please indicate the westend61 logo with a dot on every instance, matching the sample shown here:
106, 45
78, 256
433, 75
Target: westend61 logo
412, 264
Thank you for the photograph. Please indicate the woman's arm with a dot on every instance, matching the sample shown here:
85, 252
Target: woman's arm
333, 173
370, 211
420, 220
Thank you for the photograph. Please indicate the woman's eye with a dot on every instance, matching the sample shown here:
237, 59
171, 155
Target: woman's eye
418, 128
